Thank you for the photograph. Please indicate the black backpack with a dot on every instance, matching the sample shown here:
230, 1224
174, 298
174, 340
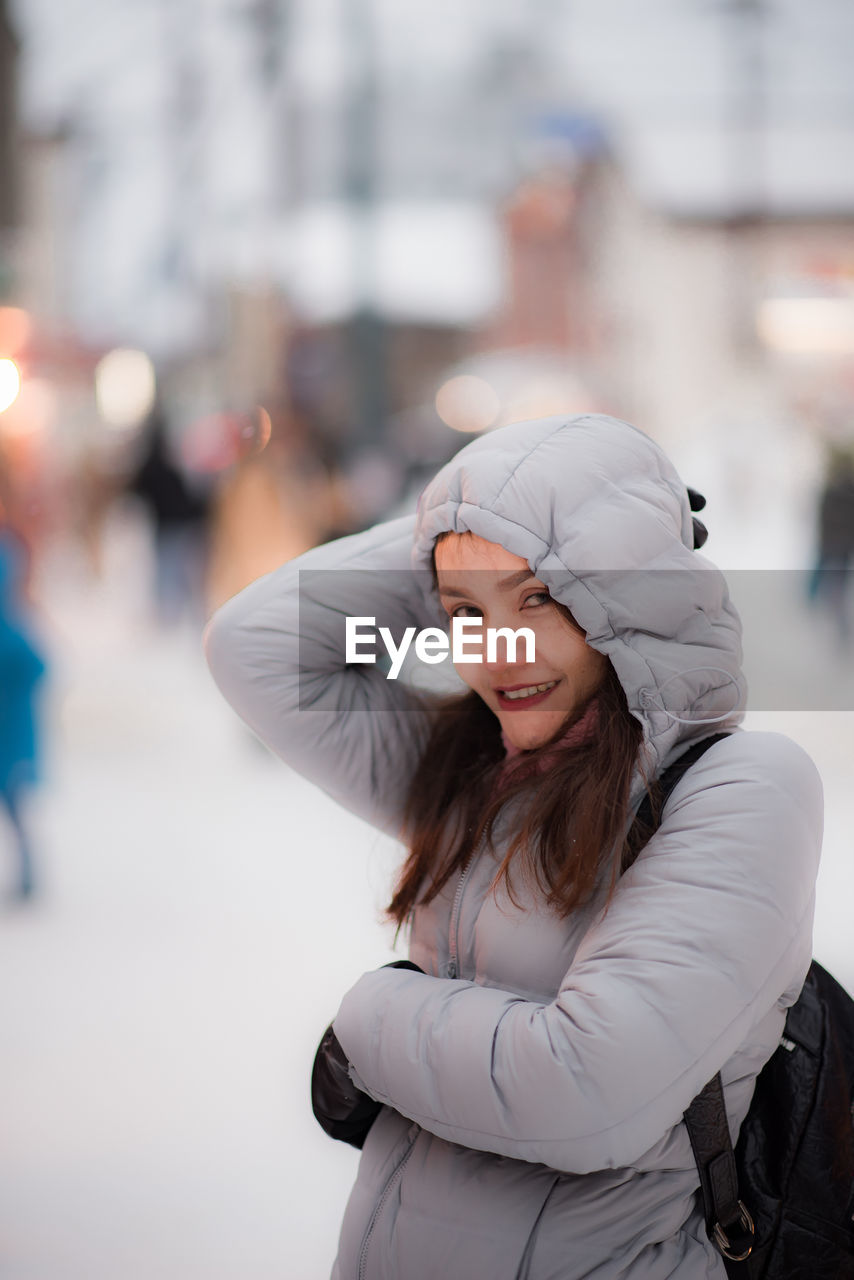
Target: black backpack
781, 1207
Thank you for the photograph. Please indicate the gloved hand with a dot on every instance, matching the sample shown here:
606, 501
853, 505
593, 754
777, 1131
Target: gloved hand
342, 1110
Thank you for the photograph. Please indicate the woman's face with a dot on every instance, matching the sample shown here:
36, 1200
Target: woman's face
479, 579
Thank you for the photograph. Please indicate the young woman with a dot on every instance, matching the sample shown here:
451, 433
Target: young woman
573, 1002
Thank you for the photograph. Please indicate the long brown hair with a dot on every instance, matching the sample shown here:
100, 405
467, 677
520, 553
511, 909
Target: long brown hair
571, 828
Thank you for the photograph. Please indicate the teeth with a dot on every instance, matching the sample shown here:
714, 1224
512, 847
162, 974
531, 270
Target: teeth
530, 691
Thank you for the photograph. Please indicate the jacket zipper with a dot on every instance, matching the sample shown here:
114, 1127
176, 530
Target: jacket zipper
453, 948
392, 1180
454, 930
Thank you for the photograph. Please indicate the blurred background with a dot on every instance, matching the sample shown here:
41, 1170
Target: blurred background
265, 265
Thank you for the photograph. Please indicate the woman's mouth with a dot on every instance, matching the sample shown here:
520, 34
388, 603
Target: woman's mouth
524, 696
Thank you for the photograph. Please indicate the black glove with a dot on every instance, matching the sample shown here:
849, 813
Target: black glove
701, 533
342, 1110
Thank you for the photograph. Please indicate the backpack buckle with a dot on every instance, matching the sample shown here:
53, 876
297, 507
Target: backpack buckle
726, 1246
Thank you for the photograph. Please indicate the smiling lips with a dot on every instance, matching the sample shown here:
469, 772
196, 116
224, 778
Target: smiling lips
521, 697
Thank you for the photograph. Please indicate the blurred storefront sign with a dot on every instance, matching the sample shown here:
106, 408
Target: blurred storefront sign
808, 325
810, 312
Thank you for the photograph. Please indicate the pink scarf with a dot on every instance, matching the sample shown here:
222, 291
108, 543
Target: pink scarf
579, 732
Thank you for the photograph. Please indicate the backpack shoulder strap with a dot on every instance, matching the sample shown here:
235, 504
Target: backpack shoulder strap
728, 1223
646, 819
671, 775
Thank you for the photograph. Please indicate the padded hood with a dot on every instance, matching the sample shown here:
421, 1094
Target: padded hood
604, 520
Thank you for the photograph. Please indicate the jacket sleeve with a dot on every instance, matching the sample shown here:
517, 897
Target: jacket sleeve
277, 652
708, 931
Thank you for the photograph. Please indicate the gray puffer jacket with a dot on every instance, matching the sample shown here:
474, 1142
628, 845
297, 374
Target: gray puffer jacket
533, 1125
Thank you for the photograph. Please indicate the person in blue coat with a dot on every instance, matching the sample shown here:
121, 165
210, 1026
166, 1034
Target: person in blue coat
21, 669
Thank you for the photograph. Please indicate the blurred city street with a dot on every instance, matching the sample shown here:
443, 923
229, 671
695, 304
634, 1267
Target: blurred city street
165, 990
201, 911
265, 267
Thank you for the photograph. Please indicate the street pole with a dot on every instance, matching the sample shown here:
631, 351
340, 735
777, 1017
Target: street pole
746, 155
368, 339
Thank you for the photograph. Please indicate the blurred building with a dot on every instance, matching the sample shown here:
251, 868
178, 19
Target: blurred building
700, 313
388, 185
9, 50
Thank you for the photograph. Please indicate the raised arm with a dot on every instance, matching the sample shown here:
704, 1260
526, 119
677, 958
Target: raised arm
708, 937
277, 653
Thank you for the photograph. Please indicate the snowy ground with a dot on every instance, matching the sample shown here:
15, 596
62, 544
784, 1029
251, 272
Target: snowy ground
203, 910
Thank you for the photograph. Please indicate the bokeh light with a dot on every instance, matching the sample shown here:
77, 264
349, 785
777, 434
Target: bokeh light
216, 441
264, 428
540, 396
15, 330
807, 326
467, 403
33, 412
10, 383
125, 387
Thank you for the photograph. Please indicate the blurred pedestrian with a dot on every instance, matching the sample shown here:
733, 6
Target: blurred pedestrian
21, 669
179, 514
830, 581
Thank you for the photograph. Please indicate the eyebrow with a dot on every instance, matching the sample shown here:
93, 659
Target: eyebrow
504, 584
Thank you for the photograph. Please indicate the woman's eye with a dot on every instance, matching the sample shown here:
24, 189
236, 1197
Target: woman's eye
536, 599
466, 611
